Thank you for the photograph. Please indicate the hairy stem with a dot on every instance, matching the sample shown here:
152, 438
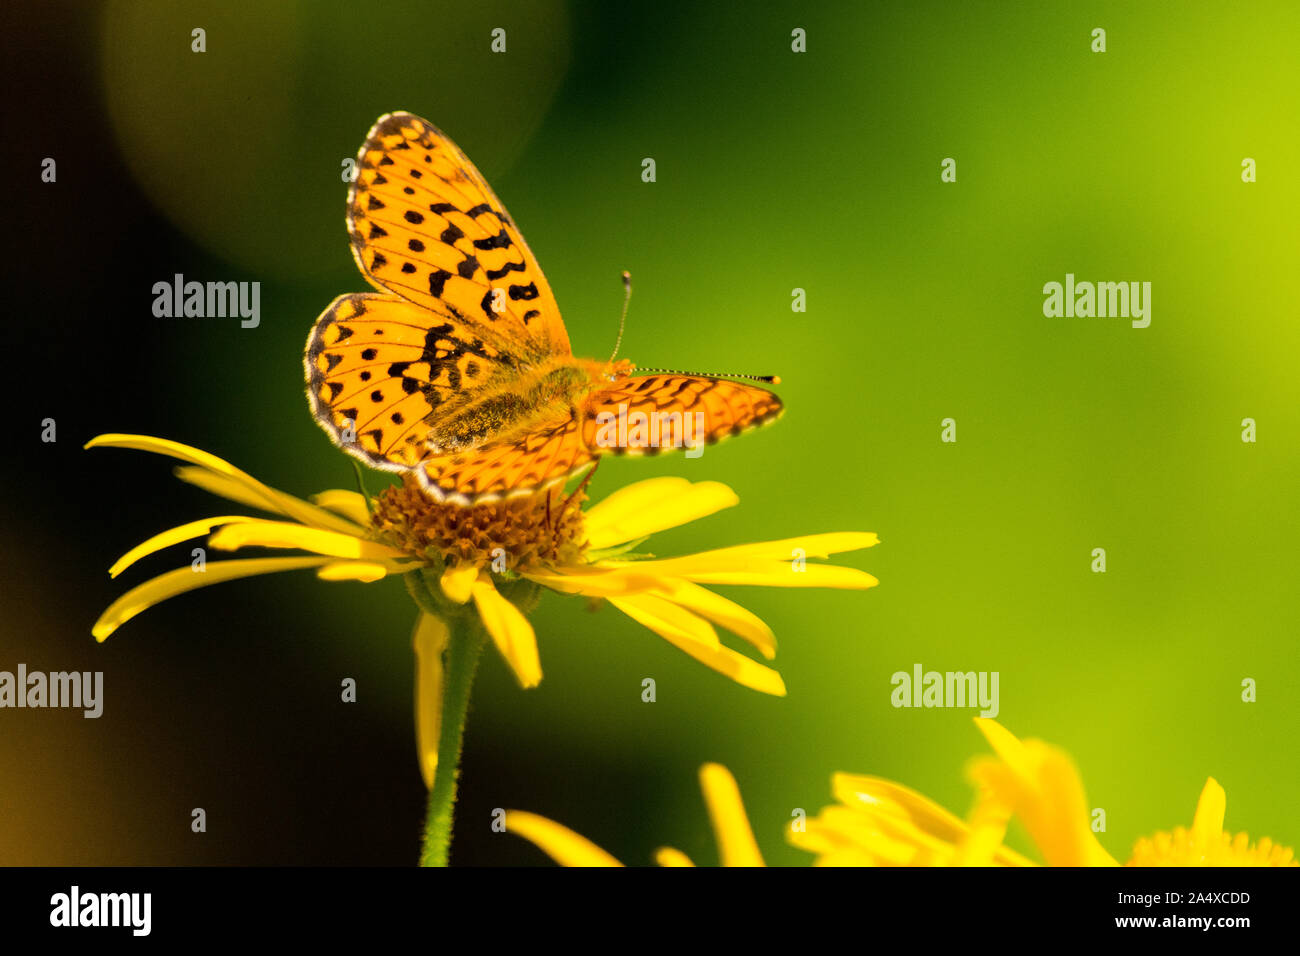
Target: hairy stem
460, 661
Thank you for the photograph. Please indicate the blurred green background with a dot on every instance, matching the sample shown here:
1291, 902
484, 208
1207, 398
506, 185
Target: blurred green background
775, 171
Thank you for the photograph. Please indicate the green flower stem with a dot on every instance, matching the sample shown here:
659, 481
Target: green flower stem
460, 662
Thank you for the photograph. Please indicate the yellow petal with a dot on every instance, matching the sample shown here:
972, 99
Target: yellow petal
267, 497
510, 631
876, 836
286, 534
812, 546
595, 581
736, 844
889, 801
740, 621
457, 582
349, 504
159, 589
986, 830
667, 856
813, 576
1006, 744
222, 487
658, 613
697, 638
365, 571
1042, 785
558, 842
885, 796
167, 538
882, 823
707, 569
847, 857
1207, 825
430, 640
653, 505
813, 838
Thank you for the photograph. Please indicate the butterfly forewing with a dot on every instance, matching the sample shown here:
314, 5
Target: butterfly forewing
426, 226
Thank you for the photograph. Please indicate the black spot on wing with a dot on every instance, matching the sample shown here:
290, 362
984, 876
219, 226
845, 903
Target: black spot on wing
500, 241
505, 270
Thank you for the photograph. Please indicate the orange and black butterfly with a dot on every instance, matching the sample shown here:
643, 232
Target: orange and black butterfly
459, 368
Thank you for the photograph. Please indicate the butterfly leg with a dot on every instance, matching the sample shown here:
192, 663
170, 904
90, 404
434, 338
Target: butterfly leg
581, 485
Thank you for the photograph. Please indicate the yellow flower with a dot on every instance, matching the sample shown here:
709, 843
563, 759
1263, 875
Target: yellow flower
1207, 843
455, 557
880, 823
735, 838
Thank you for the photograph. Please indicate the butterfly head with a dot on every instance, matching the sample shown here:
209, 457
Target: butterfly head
615, 370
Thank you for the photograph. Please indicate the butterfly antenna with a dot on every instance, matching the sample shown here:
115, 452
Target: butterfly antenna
765, 379
627, 298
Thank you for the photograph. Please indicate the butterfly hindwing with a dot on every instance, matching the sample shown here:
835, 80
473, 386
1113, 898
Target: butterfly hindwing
381, 370
685, 409
426, 226
521, 466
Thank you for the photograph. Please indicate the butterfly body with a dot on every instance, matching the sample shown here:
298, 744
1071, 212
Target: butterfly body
459, 368
516, 403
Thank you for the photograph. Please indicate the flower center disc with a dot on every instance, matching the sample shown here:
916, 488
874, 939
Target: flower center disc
512, 534
1180, 848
